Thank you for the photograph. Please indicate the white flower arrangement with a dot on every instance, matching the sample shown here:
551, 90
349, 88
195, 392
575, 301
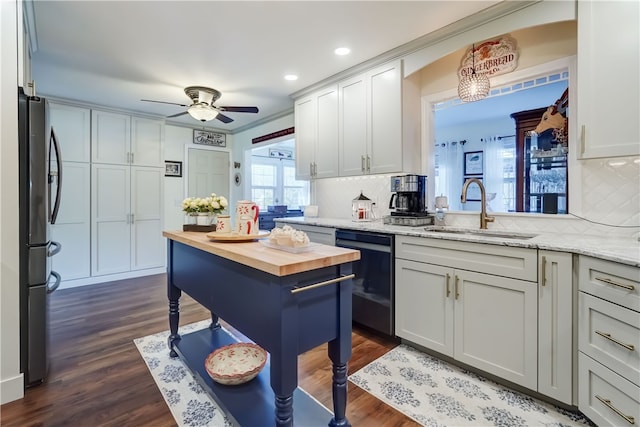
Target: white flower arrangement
212, 204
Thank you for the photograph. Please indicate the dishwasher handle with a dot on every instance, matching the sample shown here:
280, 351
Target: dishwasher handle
352, 244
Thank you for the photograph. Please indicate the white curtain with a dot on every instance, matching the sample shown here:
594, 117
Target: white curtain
494, 174
449, 157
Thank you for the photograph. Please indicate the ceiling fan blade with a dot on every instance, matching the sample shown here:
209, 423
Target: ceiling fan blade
178, 115
164, 102
223, 118
239, 109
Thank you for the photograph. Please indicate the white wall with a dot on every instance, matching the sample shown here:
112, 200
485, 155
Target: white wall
11, 381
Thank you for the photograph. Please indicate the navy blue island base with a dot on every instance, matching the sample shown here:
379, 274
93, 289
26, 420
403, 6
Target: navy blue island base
286, 303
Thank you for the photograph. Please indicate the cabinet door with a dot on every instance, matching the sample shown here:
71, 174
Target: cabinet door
608, 84
352, 126
147, 142
326, 147
385, 99
110, 137
305, 125
72, 126
73, 227
555, 326
496, 326
110, 225
147, 243
424, 305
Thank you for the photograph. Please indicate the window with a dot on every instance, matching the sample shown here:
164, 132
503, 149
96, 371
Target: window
273, 182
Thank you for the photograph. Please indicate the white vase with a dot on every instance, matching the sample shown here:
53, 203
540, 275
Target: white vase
204, 218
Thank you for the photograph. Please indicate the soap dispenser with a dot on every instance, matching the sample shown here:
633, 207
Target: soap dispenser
442, 205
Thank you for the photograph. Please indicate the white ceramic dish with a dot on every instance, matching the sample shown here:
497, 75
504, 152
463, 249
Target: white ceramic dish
235, 363
292, 249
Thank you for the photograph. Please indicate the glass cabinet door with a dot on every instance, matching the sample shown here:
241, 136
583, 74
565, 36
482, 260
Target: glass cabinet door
545, 179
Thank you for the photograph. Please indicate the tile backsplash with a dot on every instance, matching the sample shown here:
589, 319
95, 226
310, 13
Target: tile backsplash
610, 195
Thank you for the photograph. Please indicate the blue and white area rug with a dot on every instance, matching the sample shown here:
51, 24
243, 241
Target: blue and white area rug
190, 405
435, 393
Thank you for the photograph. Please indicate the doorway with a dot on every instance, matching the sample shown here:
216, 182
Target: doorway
207, 171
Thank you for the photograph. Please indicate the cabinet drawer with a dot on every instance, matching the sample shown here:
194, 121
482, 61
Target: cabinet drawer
611, 335
506, 261
621, 406
612, 281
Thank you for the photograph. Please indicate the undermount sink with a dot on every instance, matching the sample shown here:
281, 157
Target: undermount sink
480, 233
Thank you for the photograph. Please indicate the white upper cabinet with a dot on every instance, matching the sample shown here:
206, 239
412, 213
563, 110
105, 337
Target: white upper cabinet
122, 139
147, 141
110, 137
353, 136
72, 126
316, 123
371, 114
608, 83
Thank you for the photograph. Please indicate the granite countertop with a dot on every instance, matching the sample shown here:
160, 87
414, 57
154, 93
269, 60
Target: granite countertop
623, 250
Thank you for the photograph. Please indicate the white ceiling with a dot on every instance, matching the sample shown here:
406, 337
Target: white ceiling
115, 53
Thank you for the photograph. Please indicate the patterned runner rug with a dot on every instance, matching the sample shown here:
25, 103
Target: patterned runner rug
436, 394
190, 405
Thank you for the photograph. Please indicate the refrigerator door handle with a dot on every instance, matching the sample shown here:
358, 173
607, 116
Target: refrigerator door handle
58, 247
56, 208
51, 289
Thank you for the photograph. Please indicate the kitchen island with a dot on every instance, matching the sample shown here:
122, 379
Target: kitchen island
288, 303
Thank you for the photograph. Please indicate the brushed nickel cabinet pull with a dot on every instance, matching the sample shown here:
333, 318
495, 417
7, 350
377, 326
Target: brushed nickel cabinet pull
368, 164
362, 163
325, 283
311, 169
582, 138
315, 169
544, 270
456, 286
607, 403
447, 281
629, 347
132, 158
612, 283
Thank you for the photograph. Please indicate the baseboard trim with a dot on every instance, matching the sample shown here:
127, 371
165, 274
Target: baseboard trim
67, 284
11, 389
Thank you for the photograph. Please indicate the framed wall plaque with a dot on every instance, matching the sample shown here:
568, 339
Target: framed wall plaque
172, 168
206, 137
473, 163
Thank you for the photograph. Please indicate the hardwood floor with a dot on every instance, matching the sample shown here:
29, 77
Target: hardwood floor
97, 377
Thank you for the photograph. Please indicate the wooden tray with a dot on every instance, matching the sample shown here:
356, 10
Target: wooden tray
234, 237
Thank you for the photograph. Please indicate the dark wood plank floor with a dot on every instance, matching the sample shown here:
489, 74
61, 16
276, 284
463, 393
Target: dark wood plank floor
97, 377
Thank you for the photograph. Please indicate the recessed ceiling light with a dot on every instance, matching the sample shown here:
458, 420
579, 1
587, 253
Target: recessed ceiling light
291, 77
342, 51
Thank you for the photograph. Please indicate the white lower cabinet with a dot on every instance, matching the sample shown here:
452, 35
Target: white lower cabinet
73, 226
477, 317
556, 331
609, 342
126, 218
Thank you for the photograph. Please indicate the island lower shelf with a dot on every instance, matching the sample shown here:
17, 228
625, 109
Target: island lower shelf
251, 404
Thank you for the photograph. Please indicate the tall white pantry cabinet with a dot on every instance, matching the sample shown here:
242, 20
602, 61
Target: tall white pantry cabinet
111, 206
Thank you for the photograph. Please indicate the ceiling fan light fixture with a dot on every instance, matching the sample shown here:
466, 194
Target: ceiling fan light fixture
202, 112
473, 87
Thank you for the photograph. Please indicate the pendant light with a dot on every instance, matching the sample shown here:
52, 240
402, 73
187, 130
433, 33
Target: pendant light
473, 87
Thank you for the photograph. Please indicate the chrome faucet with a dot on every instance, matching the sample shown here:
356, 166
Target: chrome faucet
484, 218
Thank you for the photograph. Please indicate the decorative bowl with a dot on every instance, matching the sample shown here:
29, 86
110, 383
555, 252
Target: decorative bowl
235, 363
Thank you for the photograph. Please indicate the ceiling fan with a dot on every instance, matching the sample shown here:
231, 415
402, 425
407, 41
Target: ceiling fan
202, 108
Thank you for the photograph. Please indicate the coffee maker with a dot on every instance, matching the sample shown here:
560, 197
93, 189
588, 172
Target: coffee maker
409, 201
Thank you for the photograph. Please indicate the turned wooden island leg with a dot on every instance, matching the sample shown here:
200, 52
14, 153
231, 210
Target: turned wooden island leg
174, 316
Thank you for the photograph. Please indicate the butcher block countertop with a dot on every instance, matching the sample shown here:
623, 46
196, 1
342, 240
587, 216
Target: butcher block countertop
272, 261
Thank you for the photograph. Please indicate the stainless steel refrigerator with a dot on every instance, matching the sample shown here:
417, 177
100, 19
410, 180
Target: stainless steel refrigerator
40, 175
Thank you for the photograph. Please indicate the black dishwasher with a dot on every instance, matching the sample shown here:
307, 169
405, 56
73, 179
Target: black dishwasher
373, 287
